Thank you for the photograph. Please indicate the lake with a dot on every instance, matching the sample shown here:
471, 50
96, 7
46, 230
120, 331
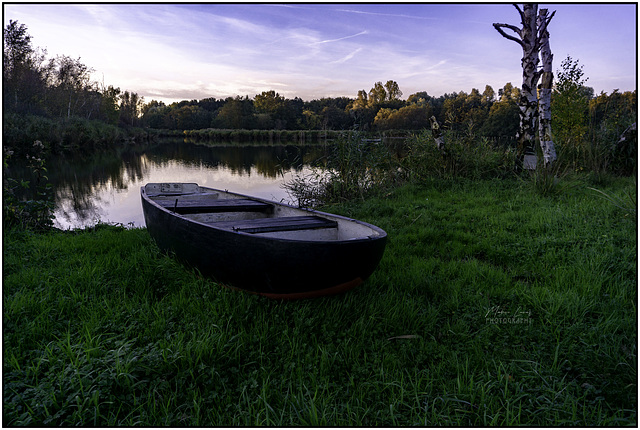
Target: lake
106, 186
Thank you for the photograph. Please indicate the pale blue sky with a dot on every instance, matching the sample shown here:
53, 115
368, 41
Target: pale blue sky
173, 52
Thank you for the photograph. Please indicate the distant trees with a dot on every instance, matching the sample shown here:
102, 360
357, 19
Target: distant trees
60, 87
24, 74
109, 110
268, 102
411, 117
70, 91
503, 118
130, 109
490, 113
56, 101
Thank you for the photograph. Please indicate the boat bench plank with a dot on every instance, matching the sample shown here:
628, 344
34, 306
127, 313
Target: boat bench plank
194, 206
268, 225
180, 194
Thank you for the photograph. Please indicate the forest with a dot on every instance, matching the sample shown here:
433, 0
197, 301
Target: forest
56, 100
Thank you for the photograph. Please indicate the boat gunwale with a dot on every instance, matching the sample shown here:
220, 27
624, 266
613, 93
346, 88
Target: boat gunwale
381, 233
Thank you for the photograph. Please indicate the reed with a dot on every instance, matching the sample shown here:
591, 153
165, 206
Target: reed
257, 136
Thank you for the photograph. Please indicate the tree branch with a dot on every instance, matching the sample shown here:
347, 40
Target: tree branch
507, 36
545, 24
519, 11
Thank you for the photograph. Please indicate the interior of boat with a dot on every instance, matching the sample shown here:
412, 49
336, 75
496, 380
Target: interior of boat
239, 213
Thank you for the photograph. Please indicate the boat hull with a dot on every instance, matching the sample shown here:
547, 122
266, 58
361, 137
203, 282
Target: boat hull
273, 267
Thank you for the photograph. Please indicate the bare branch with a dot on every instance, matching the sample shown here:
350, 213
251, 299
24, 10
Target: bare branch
507, 36
519, 11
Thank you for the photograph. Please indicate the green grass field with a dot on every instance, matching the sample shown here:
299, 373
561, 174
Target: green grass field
492, 306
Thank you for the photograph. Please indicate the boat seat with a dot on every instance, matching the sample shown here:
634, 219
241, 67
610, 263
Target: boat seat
197, 206
268, 225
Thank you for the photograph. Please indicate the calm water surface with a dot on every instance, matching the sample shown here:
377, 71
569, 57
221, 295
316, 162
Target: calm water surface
106, 187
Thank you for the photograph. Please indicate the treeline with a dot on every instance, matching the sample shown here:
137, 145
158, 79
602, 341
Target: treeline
485, 113
376, 110
56, 101
59, 87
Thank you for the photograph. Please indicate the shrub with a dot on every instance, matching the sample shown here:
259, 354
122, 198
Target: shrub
36, 213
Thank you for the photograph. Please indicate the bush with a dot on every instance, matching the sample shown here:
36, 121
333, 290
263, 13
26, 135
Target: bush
37, 213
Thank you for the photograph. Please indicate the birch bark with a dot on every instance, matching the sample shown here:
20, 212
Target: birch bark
528, 103
530, 76
544, 89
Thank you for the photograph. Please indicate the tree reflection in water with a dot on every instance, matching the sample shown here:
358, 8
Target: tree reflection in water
106, 187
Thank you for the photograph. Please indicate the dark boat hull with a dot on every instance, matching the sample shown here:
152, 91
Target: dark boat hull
278, 268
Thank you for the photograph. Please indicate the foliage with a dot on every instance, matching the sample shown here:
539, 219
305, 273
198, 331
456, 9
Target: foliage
502, 119
236, 113
72, 134
268, 102
59, 92
36, 214
492, 306
612, 132
130, 109
588, 130
569, 109
412, 117
24, 71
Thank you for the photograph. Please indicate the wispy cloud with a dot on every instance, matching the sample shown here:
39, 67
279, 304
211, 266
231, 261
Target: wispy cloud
347, 57
341, 38
395, 15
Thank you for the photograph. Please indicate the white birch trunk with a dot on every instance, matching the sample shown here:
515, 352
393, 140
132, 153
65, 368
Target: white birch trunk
530, 76
528, 102
546, 84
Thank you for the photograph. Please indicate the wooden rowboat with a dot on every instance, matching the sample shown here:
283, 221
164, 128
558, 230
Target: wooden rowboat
257, 245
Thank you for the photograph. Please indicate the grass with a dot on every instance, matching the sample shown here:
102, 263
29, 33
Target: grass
493, 306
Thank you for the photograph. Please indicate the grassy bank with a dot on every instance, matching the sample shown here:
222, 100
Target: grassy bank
491, 306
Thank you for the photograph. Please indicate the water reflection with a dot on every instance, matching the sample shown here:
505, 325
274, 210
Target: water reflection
106, 187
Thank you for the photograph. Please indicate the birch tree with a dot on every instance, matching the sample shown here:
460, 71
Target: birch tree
544, 90
529, 38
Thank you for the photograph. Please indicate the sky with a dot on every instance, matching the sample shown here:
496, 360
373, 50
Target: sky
173, 52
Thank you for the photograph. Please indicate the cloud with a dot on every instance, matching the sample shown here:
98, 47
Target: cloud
347, 57
341, 38
394, 15
186, 51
